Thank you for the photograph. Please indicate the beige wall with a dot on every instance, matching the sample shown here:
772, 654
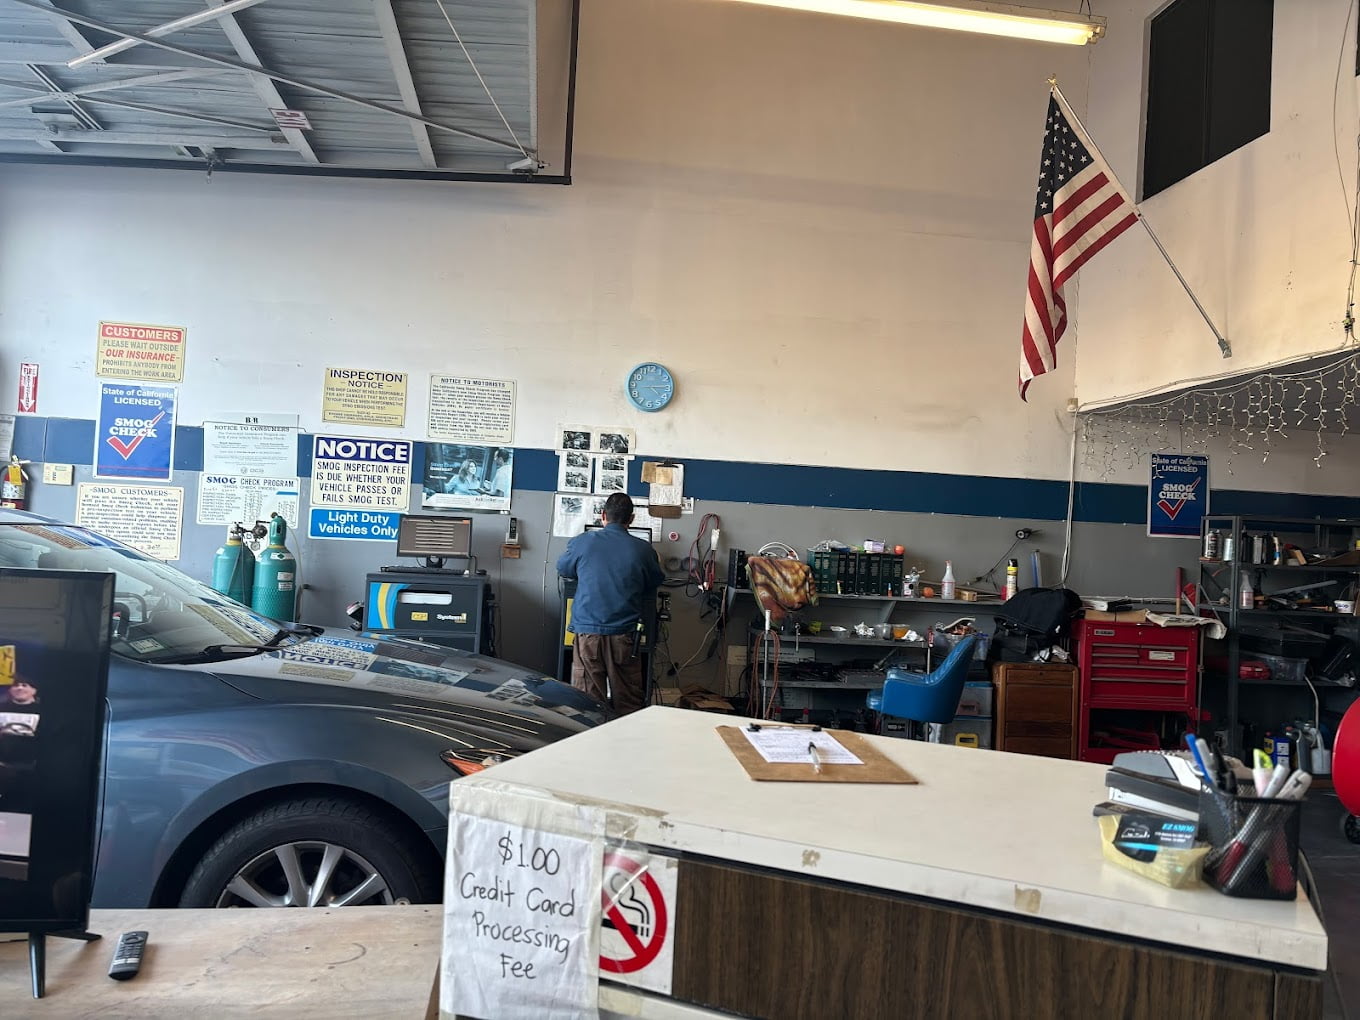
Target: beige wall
1262, 235
820, 224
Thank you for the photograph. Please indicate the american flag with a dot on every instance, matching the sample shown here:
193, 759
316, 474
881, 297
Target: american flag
1079, 209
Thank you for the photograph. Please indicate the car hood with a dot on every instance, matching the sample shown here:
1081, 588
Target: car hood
412, 678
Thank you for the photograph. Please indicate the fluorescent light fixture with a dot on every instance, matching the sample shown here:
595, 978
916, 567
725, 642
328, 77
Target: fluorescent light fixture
963, 16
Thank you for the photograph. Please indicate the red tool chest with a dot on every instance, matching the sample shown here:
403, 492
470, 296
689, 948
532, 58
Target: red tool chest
1134, 666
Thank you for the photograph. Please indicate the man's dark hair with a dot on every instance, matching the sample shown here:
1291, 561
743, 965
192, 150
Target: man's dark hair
618, 508
503, 456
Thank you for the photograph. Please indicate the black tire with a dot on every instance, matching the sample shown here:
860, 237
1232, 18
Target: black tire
365, 839
1350, 827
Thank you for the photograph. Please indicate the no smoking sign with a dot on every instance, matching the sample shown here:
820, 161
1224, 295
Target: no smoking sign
637, 919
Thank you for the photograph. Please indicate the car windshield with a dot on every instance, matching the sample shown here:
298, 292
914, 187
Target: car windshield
160, 614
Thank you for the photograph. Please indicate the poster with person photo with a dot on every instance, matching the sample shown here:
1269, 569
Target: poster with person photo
459, 476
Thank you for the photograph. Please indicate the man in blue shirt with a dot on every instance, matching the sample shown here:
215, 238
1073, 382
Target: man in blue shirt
614, 573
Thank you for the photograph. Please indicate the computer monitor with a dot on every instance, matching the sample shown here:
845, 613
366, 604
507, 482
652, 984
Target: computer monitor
54, 661
434, 538
643, 533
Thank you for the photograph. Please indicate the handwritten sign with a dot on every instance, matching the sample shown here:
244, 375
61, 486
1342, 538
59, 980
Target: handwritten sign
521, 917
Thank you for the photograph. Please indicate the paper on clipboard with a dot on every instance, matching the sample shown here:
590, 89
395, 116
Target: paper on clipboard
790, 746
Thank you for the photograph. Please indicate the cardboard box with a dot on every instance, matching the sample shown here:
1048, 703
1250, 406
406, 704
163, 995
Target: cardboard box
1127, 616
696, 697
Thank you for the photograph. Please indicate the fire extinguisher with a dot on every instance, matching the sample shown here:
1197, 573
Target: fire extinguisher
14, 485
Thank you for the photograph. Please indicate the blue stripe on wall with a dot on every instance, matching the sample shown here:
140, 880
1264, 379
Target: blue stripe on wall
71, 441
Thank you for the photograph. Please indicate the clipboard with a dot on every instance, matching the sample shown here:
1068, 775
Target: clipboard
877, 767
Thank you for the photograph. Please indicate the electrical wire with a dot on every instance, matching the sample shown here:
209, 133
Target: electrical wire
701, 564
1071, 505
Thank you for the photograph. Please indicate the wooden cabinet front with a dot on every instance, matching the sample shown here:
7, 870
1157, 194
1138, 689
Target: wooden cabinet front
1036, 708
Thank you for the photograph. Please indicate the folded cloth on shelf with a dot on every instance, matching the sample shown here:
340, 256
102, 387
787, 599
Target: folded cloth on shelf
1214, 627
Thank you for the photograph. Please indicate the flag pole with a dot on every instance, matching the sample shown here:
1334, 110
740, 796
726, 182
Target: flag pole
1223, 344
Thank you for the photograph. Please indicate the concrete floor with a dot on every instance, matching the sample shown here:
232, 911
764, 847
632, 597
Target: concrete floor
1336, 868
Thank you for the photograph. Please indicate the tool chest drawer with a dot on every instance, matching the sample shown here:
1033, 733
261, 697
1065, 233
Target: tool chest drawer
1126, 661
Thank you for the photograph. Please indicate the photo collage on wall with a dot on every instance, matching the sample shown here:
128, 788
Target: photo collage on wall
592, 464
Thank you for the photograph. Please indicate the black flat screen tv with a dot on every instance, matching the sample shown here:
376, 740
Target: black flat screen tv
54, 664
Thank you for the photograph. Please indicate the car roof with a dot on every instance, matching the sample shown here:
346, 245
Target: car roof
24, 517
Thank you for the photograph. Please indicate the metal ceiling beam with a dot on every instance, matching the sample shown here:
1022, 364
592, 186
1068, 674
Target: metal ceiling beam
106, 86
169, 28
55, 91
401, 68
166, 138
287, 79
163, 111
264, 87
57, 54
71, 34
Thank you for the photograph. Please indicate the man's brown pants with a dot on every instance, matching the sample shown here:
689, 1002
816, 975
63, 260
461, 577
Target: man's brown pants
607, 659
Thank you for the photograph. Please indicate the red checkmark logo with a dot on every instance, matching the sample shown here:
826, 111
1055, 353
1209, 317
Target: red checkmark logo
125, 450
1172, 509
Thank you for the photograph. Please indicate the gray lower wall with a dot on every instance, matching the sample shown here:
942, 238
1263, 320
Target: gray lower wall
1107, 559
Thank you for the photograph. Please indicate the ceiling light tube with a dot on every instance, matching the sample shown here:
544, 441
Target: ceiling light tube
169, 28
962, 15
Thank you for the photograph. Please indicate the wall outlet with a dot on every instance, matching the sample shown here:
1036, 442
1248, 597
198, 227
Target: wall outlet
687, 504
58, 474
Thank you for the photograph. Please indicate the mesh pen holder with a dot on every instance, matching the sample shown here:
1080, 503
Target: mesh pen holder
1255, 845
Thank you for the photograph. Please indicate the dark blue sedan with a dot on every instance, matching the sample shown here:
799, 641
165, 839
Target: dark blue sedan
265, 764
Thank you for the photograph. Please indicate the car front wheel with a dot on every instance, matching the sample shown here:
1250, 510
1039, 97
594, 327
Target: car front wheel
311, 852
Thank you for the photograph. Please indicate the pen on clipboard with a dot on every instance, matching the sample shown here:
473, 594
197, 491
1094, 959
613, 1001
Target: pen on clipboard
816, 757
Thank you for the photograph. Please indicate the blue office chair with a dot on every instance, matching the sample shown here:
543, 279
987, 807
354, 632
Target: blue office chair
926, 697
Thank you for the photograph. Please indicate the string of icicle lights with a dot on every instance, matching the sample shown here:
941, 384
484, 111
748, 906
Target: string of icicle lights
1252, 417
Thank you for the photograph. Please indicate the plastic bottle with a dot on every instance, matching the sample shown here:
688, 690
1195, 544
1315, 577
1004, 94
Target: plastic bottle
947, 582
1012, 578
1246, 598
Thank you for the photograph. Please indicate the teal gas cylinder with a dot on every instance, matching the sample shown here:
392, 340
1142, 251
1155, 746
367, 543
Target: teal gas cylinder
233, 571
275, 590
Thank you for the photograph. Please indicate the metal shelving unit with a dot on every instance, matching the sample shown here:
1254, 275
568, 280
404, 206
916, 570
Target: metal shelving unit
885, 607
1270, 578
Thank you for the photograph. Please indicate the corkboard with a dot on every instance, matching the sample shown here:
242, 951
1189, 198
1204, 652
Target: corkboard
877, 767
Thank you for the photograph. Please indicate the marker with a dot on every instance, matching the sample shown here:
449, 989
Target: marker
816, 758
1260, 774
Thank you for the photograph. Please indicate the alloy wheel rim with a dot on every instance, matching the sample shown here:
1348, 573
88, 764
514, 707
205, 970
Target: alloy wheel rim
307, 873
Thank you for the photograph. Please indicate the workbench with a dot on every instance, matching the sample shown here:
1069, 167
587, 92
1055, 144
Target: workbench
981, 890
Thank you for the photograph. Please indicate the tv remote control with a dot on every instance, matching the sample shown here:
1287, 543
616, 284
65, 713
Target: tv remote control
127, 955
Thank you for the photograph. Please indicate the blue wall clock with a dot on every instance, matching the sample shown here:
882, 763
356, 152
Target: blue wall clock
650, 386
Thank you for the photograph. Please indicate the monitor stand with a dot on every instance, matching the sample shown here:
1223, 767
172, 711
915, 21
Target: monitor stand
37, 954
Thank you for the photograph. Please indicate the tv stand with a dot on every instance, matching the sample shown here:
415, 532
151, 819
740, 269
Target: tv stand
37, 954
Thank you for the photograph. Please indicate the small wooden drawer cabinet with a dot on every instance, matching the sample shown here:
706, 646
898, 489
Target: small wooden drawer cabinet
1036, 708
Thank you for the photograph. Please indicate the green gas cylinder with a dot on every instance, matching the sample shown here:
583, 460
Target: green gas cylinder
233, 571
275, 591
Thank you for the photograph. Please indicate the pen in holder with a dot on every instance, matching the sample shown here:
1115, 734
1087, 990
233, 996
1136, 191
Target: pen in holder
1255, 845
